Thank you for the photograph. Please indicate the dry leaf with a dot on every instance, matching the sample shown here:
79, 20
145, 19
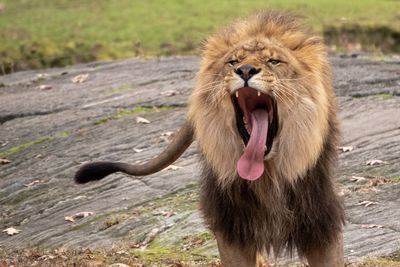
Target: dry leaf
4, 161
167, 134
118, 265
78, 216
94, 263
373, 162
346, 148
44, 87
172, 168
369, 226
69, 218
366, 203
81, 78
42, 76
135, 245
378, 181
169, 93
357, 179
11, 231
83, 214
142, 120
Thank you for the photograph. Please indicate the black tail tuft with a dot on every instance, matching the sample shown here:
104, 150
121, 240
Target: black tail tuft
94, 171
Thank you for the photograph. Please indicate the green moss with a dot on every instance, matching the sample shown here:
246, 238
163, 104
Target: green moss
128, 112
120, 89
64, 134
395, 179
380, 94
381, 262
24, 146
158, 252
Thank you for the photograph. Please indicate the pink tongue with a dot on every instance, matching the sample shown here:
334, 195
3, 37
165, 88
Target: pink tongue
251, 164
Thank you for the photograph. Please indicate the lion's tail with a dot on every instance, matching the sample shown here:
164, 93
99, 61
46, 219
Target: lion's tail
98, 170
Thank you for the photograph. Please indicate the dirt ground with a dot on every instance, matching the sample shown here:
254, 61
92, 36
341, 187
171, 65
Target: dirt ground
53, 120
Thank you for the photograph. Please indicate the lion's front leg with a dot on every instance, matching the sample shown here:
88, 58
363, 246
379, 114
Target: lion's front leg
235, 256
330, 256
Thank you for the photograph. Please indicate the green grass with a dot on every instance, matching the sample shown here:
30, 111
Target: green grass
15, 149
39, 33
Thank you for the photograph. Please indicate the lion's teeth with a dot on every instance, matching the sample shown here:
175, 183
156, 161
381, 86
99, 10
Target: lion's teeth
237, 94
258, 93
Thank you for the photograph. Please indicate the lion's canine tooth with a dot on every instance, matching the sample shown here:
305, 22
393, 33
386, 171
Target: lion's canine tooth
237, 94
258, 93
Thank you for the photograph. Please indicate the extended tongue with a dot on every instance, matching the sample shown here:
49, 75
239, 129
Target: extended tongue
251, 164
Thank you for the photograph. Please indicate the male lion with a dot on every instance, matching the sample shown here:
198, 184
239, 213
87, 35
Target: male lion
264, 115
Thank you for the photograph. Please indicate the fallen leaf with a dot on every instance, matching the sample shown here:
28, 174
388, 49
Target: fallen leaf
172, 168
78, 216
69, 218
94, 263
47, 257
366, 203
81, 78
42, 76
164, 213
3, 143
346, 148
169, 93
369, 226
135, 245
378, 181
118, 265
83, 214
375, 162
4, 161
142, 120
44, 87
167, 134
33, 183
11, 231
358, 179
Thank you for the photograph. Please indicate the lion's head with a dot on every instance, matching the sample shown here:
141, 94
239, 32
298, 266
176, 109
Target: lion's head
263, 99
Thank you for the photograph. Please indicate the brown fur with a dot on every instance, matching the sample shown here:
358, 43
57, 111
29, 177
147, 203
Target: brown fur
293, 206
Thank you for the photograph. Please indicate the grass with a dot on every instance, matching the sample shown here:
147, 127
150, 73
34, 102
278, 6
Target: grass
45, 33
18, 148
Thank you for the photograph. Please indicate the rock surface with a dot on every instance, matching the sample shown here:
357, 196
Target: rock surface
49, 125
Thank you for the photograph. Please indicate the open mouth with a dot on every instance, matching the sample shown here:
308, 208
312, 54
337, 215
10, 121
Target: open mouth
257, 123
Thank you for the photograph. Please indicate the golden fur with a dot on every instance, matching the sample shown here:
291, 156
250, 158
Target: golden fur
293, 205
301, 86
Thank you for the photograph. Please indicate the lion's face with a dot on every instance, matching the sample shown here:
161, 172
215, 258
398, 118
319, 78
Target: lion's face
261, 106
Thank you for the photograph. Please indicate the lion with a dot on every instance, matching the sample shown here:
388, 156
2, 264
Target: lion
263, 113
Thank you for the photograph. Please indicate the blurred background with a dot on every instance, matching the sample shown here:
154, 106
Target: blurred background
52, 33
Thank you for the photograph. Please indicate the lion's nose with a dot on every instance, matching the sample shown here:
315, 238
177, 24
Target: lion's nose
247, 71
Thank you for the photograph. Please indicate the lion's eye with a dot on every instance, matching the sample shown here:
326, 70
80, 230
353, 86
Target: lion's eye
232, 62
274, 62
